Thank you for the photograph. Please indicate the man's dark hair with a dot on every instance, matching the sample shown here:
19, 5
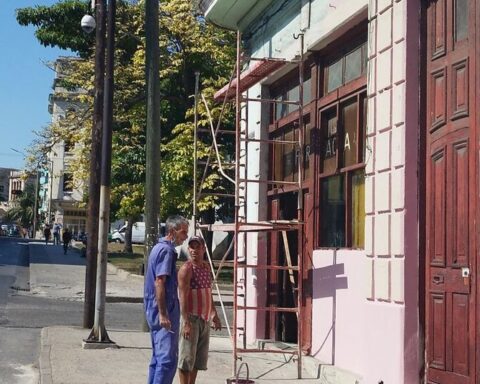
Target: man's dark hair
174, 222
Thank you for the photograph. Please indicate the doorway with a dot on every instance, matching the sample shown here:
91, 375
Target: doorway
451, 192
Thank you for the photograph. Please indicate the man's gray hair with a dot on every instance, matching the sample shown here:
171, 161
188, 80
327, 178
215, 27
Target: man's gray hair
174, 222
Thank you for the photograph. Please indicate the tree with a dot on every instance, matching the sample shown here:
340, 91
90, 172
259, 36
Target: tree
23, 206
187, 44
56, 27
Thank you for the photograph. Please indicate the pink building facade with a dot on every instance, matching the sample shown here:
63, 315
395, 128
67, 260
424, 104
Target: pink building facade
375, 317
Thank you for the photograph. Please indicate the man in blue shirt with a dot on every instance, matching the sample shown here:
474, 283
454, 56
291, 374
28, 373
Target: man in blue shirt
162, 309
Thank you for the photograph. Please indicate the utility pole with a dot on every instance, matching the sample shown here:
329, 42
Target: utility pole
95, 164
152, 181
99, 332
35, 208
152, 174
50, 188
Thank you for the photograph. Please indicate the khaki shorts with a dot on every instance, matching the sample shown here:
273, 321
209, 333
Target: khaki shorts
193, 352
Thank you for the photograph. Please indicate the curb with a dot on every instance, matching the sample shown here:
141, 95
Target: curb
123, 299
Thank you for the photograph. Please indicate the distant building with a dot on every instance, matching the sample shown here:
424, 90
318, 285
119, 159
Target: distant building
18, 181
4, 190
12, 184
61, 200
5, 183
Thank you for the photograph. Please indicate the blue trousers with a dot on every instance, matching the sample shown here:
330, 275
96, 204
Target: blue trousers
163, 365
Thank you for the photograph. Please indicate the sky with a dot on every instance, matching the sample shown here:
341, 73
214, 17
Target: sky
25, 83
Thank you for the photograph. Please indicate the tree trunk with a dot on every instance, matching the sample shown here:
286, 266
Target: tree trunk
128, 236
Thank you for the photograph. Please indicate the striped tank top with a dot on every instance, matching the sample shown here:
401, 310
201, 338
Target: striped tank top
199, 299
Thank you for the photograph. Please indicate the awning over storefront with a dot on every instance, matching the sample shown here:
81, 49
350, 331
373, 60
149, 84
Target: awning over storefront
256, 72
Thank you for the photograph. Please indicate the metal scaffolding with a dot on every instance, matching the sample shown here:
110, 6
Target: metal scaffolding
233, 92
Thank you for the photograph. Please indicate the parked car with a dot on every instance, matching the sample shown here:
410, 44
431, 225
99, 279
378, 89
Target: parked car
11, 230
138, 233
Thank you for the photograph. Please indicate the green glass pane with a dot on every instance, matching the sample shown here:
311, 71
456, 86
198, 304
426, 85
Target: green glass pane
332, 212
358, 209
334, 75
353, 65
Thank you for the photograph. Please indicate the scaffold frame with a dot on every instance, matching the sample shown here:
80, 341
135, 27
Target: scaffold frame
233, 92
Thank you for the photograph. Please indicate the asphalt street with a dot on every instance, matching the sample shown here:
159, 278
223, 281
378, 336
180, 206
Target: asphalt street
24, 313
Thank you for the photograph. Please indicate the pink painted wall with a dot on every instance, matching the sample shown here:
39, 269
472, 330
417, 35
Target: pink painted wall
349, 331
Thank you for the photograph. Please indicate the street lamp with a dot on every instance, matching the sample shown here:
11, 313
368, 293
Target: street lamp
98, 335
50, 188
95, 162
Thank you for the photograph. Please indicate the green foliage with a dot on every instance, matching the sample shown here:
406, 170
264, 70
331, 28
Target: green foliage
59, 25
23, 207
187, 45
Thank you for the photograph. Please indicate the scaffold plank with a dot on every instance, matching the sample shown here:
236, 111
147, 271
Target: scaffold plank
277, 225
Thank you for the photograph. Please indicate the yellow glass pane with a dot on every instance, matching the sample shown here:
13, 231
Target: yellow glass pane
358, 210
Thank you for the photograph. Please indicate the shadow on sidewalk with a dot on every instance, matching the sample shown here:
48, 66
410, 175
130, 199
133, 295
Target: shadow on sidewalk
53, 254
20, 256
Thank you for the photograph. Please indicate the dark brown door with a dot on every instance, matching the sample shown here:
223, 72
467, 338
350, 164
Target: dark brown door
451, 174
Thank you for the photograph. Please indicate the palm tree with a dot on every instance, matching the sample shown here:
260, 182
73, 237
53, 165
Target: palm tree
22, 210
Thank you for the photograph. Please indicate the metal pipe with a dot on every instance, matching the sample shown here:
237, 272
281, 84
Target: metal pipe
214, 138
195, 133
301, 139
237, 201
205, 170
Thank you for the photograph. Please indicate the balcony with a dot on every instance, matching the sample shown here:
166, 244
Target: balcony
233, 14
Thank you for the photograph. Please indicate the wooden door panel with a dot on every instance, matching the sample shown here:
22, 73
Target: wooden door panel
437, 208
438, 310
460, 89
460, 203
451, 194
439, 101
460, 328
438, 30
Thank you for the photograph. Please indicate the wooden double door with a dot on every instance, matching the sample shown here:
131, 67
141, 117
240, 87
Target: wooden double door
452, 166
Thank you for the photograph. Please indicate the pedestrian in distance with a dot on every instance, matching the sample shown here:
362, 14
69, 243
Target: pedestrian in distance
161, 304
66, 237
46, 233
56, 234
197, 310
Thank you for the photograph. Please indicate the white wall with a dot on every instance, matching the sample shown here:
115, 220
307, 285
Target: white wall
361, 336
320, 20
360, 315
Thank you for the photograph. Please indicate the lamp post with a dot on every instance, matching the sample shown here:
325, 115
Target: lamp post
99, 336
88, 24
35, 204
50, 188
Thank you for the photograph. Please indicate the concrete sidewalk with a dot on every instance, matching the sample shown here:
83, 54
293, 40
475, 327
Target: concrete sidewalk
63, 361
59, 276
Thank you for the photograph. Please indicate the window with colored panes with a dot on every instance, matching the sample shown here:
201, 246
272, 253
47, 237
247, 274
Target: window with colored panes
341, 172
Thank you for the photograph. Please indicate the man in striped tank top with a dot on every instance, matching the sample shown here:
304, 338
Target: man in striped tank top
197, 309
